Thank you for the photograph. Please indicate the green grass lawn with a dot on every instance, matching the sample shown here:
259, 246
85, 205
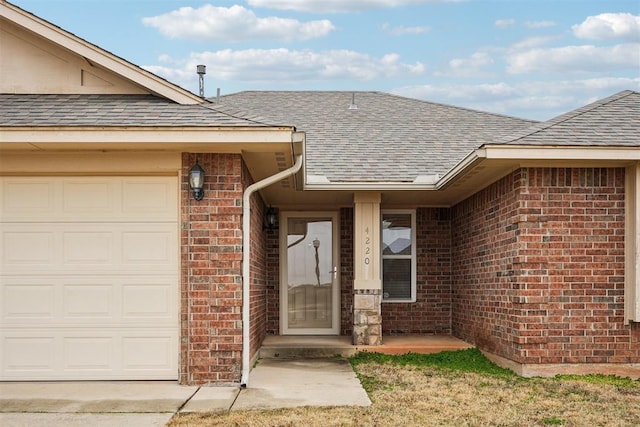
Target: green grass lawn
458, 388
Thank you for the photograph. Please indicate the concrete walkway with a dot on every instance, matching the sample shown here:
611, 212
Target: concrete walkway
273, 384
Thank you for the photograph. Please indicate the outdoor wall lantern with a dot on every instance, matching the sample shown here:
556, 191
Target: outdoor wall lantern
196, 181
270, 219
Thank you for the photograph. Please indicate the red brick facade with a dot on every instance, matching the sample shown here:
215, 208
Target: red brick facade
258, 271
346, 271
211, 259
538, 268
530, 269
431, 313
273, 282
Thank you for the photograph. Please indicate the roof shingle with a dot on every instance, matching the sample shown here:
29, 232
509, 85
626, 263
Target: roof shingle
110, 111
388, 138
612, 121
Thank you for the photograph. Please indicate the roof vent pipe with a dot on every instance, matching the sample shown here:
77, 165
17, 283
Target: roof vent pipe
201, 70
353, 105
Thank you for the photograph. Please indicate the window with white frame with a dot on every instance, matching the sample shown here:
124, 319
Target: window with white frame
398, 256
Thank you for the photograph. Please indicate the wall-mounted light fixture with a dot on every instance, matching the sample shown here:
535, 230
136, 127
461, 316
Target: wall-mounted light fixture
270, 219
196, 181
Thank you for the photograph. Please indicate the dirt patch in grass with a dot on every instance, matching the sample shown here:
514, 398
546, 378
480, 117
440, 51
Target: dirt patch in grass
463, 389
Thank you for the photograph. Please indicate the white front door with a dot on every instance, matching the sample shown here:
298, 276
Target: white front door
310, 289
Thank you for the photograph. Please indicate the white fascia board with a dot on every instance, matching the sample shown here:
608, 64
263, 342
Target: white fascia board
531, 152
99, 56
523, 153
186, 135
321, 182
467, 163
369, 186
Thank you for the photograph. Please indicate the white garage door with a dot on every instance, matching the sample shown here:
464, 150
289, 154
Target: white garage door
89, 278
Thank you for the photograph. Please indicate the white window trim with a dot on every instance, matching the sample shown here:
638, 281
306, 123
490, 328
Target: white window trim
412, 212
632, 245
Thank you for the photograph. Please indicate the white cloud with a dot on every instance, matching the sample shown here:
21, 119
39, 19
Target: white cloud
283, 65
505, 23
540, 24
609, 26
338, 6
402, 30
575, 59
538, 100
531, 42
235, 23
473, 66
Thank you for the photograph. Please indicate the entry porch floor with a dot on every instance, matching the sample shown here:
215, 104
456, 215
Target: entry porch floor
291, 346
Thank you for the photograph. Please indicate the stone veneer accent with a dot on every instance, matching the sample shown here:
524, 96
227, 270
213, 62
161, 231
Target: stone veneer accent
367, 321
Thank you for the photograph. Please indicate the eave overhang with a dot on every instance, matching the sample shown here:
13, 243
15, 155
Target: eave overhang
204, 139
485, 165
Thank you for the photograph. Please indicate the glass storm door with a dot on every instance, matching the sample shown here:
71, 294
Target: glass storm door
309, 291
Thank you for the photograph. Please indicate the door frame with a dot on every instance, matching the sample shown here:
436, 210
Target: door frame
284, 294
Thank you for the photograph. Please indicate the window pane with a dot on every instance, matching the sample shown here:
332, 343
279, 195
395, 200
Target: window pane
396, 278
396, 234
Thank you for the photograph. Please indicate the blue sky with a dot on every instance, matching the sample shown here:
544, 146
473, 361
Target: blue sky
527, 58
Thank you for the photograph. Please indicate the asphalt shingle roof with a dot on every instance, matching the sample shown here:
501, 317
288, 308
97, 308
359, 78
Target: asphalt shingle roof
109, 110
387, 138
612, 121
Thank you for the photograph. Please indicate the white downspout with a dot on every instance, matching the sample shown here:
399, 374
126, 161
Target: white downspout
246, 257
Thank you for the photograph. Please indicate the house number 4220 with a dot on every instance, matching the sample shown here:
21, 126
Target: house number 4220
367, 246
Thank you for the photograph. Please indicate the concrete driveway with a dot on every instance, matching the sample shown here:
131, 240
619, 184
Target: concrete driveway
272, 384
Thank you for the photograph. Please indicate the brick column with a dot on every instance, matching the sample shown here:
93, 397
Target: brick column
211, 257
367, 297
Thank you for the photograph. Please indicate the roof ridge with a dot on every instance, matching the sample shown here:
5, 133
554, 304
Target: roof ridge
562, 118
457, 107
390, 94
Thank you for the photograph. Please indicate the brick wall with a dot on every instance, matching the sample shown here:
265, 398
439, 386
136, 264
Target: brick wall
539, 268
258, 270
211, 271
484, 281
273, 281
431, 313
346, 271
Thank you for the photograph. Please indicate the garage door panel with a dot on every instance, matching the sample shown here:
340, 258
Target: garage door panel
143, 197
24, 353
150, 301
82, 196
84, 301
121, 301
25, 248
22, 196
68, 354
146, 353
88, 248
88, 353
82, 199
89, 278
22, 300
72, 247
152, 246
